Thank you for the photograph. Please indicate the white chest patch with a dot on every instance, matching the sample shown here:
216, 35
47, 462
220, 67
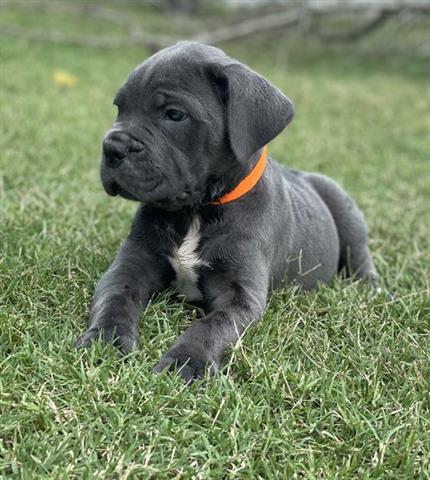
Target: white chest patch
186, 262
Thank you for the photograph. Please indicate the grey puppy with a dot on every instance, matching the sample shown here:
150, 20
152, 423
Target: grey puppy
191, 128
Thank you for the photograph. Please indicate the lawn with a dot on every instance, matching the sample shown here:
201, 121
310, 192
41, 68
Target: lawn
332, 384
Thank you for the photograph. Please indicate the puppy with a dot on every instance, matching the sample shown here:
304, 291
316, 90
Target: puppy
218, 218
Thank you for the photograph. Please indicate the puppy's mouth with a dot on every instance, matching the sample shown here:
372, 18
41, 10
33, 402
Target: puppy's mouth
113, 189
153, 198
128, 182
148, 184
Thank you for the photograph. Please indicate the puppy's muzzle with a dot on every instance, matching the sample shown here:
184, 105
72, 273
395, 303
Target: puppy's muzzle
117, 145
128, 170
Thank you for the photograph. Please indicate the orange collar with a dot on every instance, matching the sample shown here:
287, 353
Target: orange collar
248, 182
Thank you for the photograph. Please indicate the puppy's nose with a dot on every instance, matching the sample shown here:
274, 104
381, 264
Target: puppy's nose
115, 147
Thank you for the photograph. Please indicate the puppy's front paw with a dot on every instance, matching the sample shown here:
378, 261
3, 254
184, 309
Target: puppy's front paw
126, 342
186, 362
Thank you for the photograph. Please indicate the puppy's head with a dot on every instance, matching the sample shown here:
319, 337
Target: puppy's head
189, 120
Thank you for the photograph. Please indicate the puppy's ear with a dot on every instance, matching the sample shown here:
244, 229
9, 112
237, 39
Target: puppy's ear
256, 110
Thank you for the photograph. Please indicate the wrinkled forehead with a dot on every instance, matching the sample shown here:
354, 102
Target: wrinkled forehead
171, 73
178, 68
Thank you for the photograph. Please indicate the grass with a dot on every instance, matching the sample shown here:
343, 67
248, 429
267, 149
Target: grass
333, 384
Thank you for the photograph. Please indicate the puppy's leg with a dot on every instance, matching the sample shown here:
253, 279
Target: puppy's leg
123, 291
355, 258
236, 300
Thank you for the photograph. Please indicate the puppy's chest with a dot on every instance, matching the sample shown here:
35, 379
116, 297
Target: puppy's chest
186, 262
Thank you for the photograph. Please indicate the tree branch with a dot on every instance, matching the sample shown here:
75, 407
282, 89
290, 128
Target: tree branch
375, 22
251, 27
307, 11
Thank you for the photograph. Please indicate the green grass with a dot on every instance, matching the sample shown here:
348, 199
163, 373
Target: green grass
333, 384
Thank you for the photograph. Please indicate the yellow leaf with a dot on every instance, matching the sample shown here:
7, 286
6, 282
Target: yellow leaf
64, 79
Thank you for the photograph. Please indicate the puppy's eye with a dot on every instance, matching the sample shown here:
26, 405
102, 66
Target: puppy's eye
175, 115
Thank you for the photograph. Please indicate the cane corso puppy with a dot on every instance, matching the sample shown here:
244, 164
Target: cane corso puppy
218, 219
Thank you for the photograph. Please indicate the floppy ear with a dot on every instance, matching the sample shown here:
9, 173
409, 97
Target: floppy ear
256, 110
